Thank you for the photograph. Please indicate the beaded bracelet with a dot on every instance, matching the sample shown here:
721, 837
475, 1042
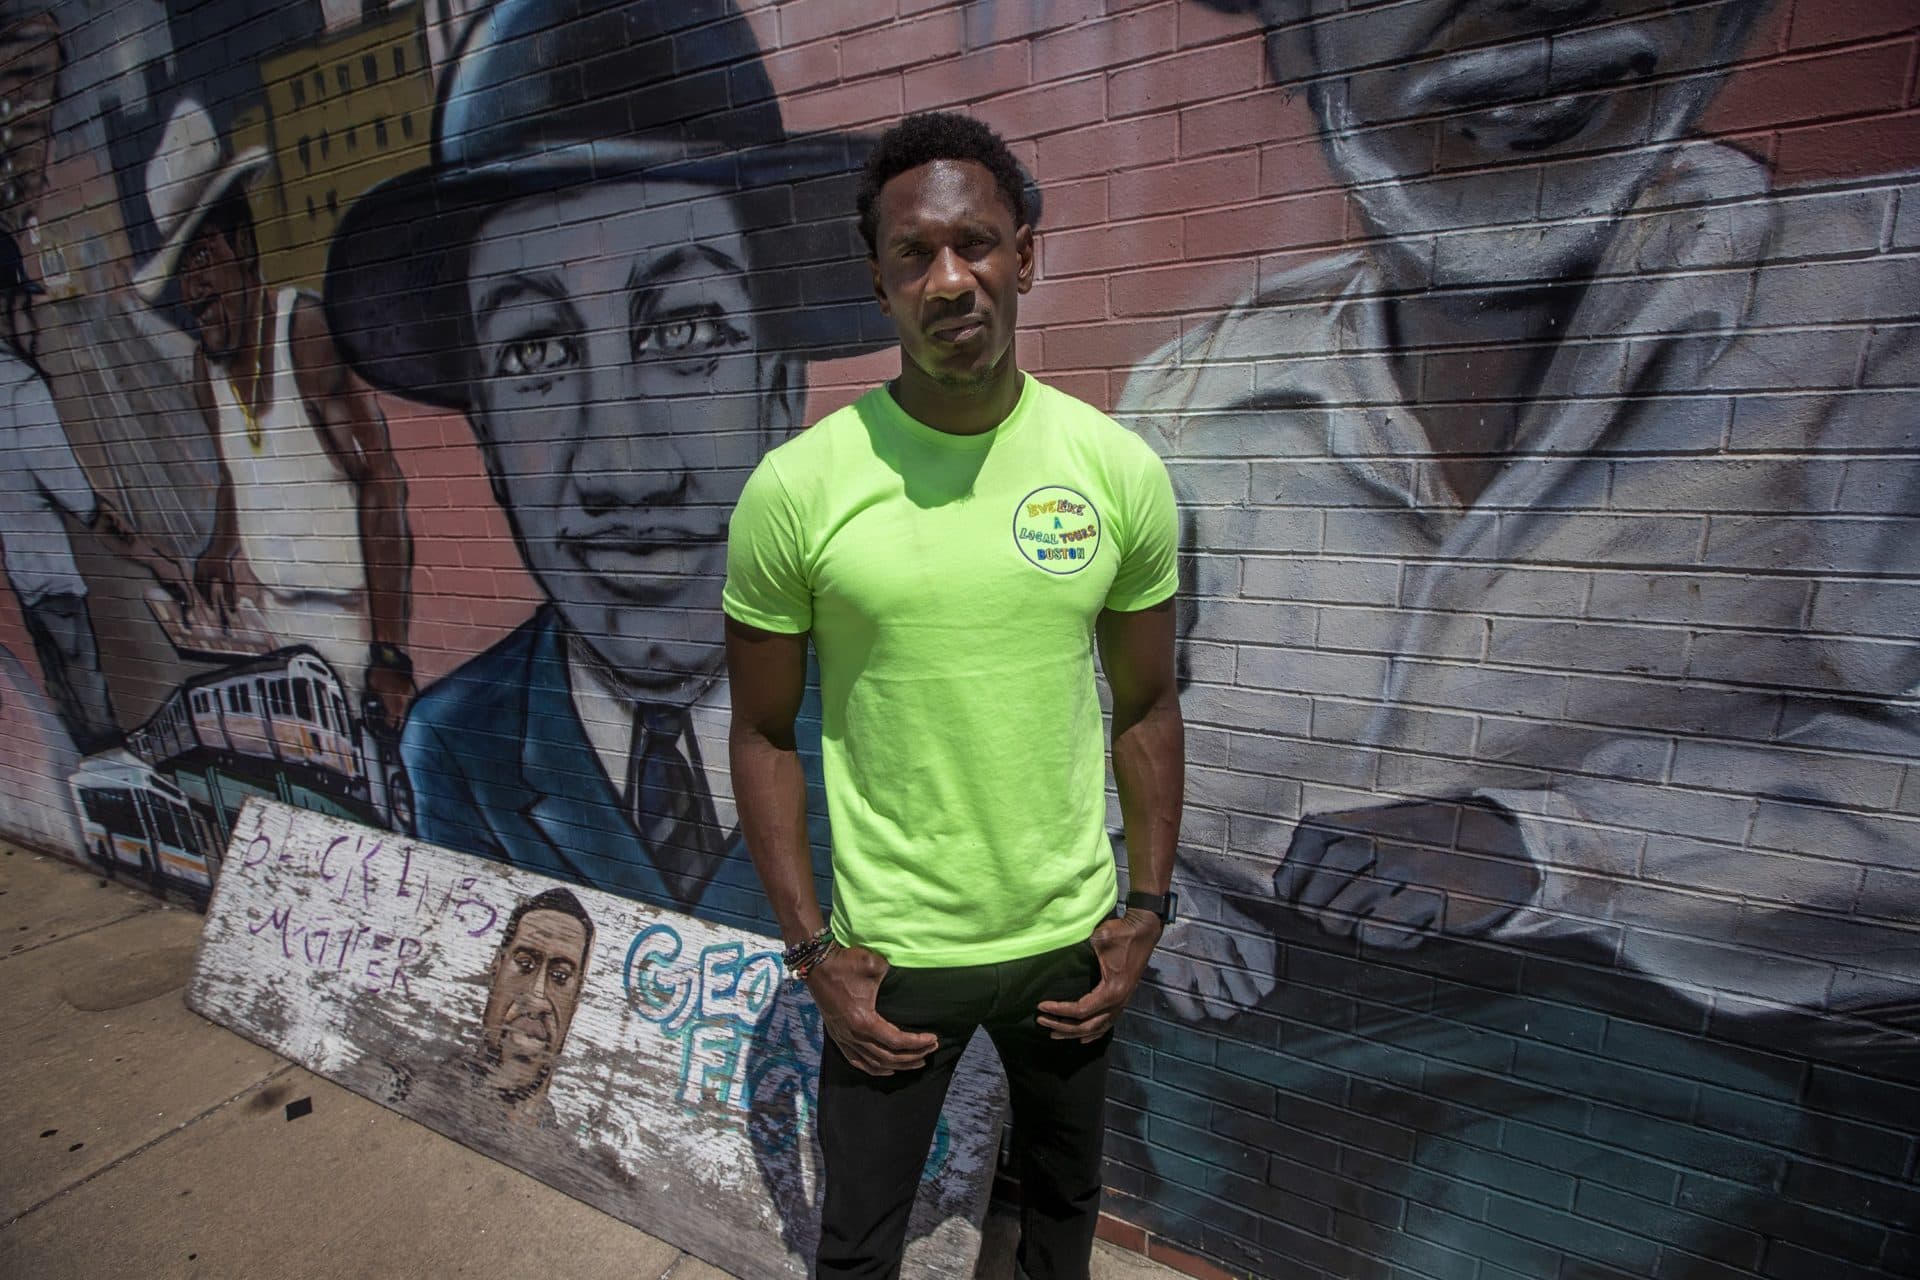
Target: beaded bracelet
801, 957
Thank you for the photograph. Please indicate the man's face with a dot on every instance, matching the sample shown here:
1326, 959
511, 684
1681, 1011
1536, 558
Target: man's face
213, 285
536, 985
949, 267
622, 399
1411, 96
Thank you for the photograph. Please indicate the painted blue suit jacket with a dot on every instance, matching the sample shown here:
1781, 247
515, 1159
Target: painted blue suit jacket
501, 767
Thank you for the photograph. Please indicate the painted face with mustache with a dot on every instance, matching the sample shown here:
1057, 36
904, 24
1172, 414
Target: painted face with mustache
1551, 107
535, 987
622, 398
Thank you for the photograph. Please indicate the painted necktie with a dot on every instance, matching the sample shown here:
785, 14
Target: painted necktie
670, 804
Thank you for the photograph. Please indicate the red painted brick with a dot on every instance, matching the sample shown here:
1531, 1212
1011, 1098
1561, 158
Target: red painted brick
981, 74
1047, 107
1822, 87
1184, 289
1272, 115
1113, 42
1201, 75
1186, 1263
866, 103
1275, 265
1318, 218
902, 44
1830, 21
1102, 249
804, 20
1066, 301
424, 495
809, 66
1089, 385
1114, 344
1123, 1234
1202, 24
1176, 188
1104, 148
1849, 150
1293, 168
1027, 348
1074, 204
485, 553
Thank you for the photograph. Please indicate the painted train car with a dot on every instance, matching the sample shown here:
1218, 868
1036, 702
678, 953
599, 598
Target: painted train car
134, 819
287, 707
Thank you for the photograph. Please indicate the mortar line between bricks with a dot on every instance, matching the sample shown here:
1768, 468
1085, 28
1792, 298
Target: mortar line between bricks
148, 1145
140, 910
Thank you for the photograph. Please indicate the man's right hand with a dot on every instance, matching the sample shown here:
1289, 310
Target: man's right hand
845, 985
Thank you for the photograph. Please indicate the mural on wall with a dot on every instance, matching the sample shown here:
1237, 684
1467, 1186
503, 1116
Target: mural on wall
1548, 638
1588, 451
624, 1053
617, 422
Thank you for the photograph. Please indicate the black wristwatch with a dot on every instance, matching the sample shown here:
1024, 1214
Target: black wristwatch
1163, 905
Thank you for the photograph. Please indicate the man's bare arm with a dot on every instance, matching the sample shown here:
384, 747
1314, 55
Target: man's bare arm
354, 431
767, 672
1149, 770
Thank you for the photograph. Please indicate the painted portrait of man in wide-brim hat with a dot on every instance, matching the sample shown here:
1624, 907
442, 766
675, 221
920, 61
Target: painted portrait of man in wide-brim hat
618, 265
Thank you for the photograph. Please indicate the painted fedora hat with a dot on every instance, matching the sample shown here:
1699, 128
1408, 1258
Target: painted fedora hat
544, 95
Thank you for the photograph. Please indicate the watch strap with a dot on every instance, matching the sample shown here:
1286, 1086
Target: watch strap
1163, 905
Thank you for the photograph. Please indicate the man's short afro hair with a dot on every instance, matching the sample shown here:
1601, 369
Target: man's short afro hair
938, 135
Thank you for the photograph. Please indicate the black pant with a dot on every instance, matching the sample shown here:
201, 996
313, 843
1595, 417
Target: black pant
875, 1130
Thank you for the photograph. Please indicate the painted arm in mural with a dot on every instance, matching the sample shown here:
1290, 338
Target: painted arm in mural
1149, 771
111, 524
213, 571
354, 431
767, 674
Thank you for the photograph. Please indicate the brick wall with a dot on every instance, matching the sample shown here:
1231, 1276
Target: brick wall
1539, 384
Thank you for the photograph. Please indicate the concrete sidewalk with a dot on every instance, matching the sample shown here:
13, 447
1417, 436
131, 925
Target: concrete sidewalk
143, 1140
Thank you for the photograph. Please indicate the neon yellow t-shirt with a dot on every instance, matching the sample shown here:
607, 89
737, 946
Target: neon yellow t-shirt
951, 584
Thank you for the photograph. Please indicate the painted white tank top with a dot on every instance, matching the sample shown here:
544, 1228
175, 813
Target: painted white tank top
297, 513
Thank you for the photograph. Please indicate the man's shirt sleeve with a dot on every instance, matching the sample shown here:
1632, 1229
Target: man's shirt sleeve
1150, 544
767, 585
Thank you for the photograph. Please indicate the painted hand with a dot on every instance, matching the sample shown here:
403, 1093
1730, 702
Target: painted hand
1123, 947
213, 577
1215, 961
845, 985
1395, 875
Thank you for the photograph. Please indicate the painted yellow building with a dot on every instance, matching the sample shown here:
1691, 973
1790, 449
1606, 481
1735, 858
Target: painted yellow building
340, 116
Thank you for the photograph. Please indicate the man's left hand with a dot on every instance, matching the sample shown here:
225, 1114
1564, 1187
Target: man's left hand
1122, 945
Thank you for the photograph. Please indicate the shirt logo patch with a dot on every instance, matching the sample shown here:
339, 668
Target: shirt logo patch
1057, 529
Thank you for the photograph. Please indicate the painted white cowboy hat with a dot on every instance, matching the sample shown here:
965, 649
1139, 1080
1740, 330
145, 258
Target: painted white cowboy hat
187, 176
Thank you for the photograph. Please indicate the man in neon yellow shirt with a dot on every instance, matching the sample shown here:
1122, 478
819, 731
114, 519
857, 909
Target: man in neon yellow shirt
955, 544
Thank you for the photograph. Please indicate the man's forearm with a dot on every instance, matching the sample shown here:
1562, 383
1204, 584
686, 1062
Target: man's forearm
1149, 771
770, 788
